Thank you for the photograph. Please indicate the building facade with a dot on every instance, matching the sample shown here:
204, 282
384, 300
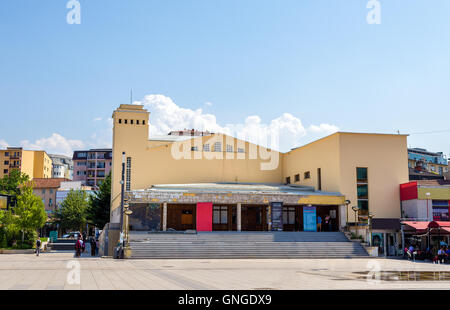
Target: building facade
65, 188
217, 182
62, 166
425, 200
425, 165
36, 164
46, 189
92, 166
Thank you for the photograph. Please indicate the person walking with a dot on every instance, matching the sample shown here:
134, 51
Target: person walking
97, 246
38, 246
78, 247
93, 246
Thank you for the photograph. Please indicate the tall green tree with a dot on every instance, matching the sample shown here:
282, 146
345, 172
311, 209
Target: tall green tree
30, 211
72, 214
99, 204
11, 184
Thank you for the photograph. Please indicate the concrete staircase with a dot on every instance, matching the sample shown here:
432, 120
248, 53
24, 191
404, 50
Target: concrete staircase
62, 245
243, 245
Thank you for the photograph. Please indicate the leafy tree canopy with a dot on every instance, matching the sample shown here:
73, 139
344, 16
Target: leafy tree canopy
30, 210
99, 204
72, 214
11, 184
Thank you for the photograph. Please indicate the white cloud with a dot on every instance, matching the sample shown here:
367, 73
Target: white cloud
97, 119
3, 144
55, 144
208, 103
167, 116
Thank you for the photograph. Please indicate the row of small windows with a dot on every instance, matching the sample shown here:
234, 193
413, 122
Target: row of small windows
307, 176
132, 121
218, 148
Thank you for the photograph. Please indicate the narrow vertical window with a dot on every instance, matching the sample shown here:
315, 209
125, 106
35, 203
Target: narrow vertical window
319, 179
128, 180
362, 190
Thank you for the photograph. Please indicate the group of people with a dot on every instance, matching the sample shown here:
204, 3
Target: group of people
436, 255
80, 245
327, 223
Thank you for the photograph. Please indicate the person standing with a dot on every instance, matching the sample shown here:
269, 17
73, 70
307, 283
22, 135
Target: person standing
38, 246
328, 222
319, 223
78, 246
93, 246
97, 246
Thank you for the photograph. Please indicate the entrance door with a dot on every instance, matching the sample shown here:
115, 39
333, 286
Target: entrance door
220, 218
289, 214
252, 218
181, 217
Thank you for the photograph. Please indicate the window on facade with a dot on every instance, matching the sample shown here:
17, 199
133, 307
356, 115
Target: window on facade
6, 162
128, 183
137, 122
241, 150
126, 121
288, 180
297, 178
229, 148
6, 153
307, 175
194, 148
5, 171
441, 210
143, 122
206, 148
220, 215
362, 187
217, 147
131, 122
361, 175
319, 179
120, 121
289, 215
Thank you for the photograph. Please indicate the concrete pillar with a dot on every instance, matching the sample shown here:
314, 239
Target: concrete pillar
239, 216
164, 219
403, 237
385, 243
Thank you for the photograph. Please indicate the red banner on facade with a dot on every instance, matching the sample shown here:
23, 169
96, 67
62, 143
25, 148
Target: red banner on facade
204, 216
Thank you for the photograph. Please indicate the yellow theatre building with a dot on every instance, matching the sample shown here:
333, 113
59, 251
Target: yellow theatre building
215, 182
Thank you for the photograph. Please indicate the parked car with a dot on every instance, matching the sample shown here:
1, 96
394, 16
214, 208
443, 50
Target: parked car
72, 235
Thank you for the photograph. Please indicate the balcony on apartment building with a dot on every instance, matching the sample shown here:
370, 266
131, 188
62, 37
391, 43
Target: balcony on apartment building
14, 165
101, 165
15, 156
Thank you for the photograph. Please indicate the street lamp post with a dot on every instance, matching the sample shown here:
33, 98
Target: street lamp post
355, 209
347, 202
371, 215
428, 199
122, 192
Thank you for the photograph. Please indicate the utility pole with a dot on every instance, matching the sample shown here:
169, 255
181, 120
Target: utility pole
122, 182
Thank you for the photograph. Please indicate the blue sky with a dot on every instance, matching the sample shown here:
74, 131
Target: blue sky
316, 60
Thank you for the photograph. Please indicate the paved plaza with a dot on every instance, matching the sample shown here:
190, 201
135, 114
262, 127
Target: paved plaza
57, 271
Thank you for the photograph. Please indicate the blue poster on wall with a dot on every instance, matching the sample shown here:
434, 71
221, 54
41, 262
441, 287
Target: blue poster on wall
277, 216
309, 219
